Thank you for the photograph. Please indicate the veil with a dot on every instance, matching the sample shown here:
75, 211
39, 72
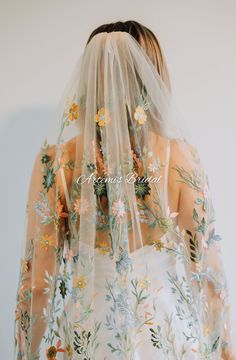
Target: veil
112, 266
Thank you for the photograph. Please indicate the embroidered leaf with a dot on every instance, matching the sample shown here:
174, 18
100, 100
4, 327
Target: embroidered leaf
156, 337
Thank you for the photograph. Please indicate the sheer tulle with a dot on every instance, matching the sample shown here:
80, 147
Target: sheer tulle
121, 258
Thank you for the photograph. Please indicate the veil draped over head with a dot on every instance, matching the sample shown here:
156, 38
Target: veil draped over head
112, 266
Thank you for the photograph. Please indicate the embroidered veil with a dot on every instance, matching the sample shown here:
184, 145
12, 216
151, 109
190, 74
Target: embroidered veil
121, 258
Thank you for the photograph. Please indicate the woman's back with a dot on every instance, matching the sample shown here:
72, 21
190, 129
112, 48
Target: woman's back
121, 258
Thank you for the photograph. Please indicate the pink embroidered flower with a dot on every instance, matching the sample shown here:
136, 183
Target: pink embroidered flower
81, 206
118, 208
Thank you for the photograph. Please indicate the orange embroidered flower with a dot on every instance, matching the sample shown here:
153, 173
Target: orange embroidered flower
80, 282
102, 117
73, 112
158, 244
140, 115
51, 353
104, 247
46, 241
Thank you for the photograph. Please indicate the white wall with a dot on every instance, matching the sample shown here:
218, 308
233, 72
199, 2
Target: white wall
40, 44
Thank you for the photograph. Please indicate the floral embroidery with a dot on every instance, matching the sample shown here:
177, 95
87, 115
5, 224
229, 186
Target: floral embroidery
80, 282
51, 353
46, 241
142, 187
81, 205
158, 244
118, 208
73, 112
104, 247
144, 282
102, 117
49, 179
140, 115
100, 188
132, 293
45, 159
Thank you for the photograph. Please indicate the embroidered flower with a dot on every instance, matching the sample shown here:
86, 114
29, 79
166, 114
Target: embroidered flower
102, 117
118, 208
51, 353
80, 282
73, 113
104, 247
158, 244
142, 187
81, 205
144, 282
45, 159
46, 241
140, 115
152, 167
48, 179
91, 167
43, 210
100, 188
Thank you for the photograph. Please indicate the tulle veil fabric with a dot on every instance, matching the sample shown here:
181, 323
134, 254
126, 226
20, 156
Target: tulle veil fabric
109, 270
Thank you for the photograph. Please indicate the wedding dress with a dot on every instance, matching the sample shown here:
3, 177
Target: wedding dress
121, 258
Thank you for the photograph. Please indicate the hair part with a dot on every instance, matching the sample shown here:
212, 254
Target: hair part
146, 38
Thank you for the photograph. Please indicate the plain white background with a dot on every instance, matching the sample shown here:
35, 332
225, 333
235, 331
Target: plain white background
40, 44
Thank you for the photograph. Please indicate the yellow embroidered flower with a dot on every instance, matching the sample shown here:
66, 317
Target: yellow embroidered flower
158, 244
144, 282
102, 117
104, 247
46, 241
25, 265
140, 115
73, 113
80, 282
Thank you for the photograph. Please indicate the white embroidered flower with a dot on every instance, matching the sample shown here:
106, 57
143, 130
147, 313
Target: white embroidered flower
152, 167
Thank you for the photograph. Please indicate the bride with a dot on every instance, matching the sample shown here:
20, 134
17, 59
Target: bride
120, 269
